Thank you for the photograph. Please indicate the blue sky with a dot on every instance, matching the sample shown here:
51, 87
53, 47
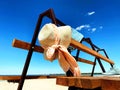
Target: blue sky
97, 19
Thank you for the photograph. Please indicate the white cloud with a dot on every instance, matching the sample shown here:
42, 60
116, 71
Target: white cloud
86, 26
91, 13
80, 27
93, 29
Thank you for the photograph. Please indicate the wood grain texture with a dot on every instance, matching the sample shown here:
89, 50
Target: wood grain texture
26, 46
17, 77
85, 61
81, 82
110, 83
89, 51
90, 83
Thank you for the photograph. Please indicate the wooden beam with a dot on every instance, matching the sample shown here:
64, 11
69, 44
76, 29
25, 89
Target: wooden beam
90, 83
26, 46
83, 48
112, 82
85, 61
81, 82
18, 77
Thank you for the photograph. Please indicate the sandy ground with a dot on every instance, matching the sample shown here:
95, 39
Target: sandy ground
34, 84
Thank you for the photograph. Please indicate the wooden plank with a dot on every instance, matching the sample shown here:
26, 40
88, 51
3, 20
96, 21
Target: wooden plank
85, 82
85, 61
81, 82
106, 83
25, 45
110, 83
18, 77
83, 48
68, 81
90, 82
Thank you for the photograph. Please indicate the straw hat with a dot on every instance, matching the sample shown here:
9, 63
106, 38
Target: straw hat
49, 33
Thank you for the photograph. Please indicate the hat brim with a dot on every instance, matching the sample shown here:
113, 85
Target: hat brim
47, 36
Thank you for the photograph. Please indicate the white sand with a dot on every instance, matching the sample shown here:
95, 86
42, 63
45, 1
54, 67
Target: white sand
34, 84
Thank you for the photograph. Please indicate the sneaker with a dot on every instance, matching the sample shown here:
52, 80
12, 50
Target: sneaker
112, 71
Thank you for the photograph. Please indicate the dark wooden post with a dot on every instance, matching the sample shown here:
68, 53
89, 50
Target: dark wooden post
48, 13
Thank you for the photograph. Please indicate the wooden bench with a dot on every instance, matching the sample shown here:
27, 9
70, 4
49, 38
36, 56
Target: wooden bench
87, 82
90, 83
24, 45
31, 47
